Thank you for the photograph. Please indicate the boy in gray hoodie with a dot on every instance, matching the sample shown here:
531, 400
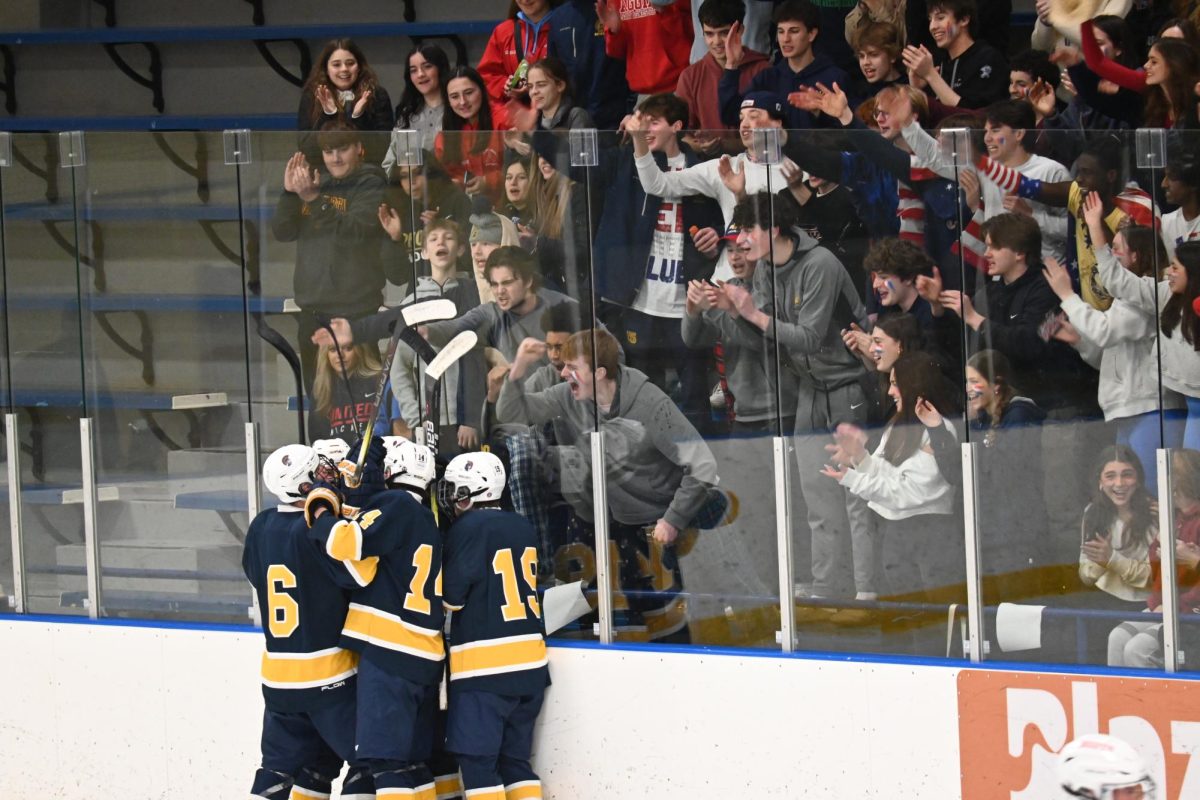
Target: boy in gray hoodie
814, 299
657, 466
749, 372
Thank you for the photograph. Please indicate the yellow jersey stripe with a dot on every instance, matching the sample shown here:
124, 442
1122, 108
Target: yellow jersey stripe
447, 786
307, 670
298, 793
486, 793
345, 541
495, 656
363, 571
386, 630
523, 790
423, 792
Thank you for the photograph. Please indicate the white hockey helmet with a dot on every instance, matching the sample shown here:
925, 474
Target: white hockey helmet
334, 449
409, 464
478, 477
1096, 766
289, 469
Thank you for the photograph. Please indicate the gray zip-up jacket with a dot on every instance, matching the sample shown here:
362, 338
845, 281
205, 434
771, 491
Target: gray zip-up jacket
502, 330
657, 465
817, 300
748, 371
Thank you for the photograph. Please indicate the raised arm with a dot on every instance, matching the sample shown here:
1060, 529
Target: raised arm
906, 486
1013, 182
927, 150
1106, 68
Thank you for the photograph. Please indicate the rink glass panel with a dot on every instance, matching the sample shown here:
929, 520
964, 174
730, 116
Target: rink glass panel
42, 249
717, 583
168, 417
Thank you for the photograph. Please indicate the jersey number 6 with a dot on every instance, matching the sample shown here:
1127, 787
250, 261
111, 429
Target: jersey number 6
514, 605
284, 610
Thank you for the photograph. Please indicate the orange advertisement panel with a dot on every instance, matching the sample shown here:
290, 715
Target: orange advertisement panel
1011, 724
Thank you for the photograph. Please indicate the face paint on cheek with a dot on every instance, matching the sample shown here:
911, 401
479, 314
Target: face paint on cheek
952, 31
1000, 141
891, 287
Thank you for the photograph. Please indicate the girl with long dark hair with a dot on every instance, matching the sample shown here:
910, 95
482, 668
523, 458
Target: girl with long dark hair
1120, 343
1118, 527
1007, 426
342, 87
1139, 644
1166, 80
913, 504
421, 104
470, 147
1178, 339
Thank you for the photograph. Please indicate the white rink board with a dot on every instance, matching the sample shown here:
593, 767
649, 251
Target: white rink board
102, 712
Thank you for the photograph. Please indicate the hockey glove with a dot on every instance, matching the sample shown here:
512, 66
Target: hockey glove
321, 495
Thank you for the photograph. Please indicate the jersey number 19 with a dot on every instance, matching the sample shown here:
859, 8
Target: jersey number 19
514, 604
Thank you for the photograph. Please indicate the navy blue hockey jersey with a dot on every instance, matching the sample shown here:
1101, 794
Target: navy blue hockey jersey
497, 641
396, 619
304, 597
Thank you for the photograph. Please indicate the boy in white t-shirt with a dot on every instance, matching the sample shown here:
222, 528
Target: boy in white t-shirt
1010, 125
649, 245
1181, 187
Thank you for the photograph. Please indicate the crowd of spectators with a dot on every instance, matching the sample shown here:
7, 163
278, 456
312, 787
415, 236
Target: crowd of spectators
884, 230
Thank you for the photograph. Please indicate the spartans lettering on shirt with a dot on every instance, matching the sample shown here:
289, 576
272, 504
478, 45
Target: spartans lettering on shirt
347, 419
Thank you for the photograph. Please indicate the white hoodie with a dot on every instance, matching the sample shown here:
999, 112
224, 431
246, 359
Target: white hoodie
1180, 361
1120, 343
911, 488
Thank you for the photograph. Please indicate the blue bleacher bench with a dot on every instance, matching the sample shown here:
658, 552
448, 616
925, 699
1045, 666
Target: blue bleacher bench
209, 303
139, 401
112, 38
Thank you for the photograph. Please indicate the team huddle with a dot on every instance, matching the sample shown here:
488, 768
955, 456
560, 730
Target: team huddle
362, 572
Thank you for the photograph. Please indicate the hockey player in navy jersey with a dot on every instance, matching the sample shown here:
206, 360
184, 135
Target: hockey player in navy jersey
395, 622
308, 677
498, 672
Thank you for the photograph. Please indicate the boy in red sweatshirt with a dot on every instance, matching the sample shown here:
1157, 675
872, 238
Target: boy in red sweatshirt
698, 82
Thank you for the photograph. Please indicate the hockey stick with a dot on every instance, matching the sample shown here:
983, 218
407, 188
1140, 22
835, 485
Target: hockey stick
405, 329
455, 349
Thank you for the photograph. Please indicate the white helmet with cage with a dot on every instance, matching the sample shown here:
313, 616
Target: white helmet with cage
408, 464
335, 450
289, 471
472, 478
1101, 767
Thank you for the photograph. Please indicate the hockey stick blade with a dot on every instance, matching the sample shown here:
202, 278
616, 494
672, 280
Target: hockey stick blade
428, 311
455, 349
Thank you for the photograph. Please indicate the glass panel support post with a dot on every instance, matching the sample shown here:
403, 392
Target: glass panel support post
13, 446
1173, 656
783, 544
91, 539
604, 565
971, 540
